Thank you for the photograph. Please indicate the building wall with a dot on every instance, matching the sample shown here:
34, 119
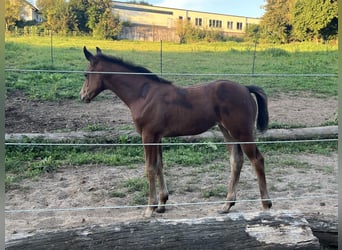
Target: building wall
30, 13
149, 19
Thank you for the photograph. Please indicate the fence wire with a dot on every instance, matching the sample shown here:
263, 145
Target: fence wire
39, 210
163, 144
169, 73
166, 144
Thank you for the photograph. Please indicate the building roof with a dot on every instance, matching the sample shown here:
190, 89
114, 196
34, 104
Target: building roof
157, 9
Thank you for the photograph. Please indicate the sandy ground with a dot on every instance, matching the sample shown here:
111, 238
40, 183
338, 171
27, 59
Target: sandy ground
91, 186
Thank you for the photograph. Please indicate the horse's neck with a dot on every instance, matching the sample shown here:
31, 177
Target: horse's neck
126, 87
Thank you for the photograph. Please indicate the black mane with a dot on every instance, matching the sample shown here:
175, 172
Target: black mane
132, 67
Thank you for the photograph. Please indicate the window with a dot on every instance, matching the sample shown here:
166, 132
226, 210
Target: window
180, 18
198, 21
215, 23
230, 25
239, 26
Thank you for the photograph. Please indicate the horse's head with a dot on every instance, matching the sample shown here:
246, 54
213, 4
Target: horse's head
93, 83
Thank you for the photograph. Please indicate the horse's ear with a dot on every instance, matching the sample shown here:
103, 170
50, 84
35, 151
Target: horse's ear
98, 51
87, 54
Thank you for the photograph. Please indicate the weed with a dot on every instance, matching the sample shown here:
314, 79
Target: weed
136, 184
275, 52
139, 187
117, 194
218, 191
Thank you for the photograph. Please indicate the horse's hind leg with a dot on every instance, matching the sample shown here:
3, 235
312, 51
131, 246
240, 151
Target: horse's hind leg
257, 161
236, 162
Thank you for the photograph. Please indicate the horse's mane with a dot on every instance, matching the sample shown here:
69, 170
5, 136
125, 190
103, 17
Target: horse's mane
132, 67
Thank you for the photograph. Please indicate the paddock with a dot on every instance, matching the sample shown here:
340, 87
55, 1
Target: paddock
304, 195
103, 222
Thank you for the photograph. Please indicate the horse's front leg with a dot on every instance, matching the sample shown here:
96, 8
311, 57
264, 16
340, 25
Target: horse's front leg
154, 168
163, 192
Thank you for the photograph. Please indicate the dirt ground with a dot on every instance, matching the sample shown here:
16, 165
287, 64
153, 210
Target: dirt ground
92, 185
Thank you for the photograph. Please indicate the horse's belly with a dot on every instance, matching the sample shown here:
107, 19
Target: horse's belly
188, 127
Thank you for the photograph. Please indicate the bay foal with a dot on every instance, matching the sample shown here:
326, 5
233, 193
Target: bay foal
161, 109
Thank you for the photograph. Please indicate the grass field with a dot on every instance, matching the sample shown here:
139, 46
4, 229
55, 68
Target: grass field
201, 58
205, 58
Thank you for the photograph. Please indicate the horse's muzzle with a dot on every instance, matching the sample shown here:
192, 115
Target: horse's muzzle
84, 98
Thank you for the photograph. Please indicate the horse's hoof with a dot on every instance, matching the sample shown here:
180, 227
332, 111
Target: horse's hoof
267, 204
161, 209
223, 211
226, 207
148, 213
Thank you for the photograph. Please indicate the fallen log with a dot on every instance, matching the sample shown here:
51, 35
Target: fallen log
329, 132
325, 229
261, 230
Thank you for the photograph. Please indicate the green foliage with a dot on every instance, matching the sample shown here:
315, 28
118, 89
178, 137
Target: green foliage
101, 20
252, 33
299, 20
108, 27
275, 21
78, 10
139, 187
188, 33
136, 184
217, 191
80, 16
56, 15
312, 19
12, 13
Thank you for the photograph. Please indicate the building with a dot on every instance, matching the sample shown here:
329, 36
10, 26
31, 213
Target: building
154, 23
30, 13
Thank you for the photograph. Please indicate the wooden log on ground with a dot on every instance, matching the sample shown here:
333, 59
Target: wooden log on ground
329, 132
325, 229
261, 230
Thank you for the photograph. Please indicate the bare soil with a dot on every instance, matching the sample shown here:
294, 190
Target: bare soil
93, 185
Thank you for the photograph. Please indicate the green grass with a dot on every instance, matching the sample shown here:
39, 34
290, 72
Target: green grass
218, 191
204, 58
31, 161
139, 187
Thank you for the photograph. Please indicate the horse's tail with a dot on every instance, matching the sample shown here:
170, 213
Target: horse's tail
262, 119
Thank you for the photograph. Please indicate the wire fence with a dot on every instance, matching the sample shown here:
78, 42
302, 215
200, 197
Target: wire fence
39, 210
42, 144
171, 73
163, 144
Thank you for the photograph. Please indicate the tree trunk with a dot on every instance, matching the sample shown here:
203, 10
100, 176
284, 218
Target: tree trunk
261, 230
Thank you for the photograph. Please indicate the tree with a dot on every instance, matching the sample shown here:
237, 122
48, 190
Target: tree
102, 21
252, 33
276, 21
109, 26
314, 19
78, 13
55, 13
183, 30
13, 9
